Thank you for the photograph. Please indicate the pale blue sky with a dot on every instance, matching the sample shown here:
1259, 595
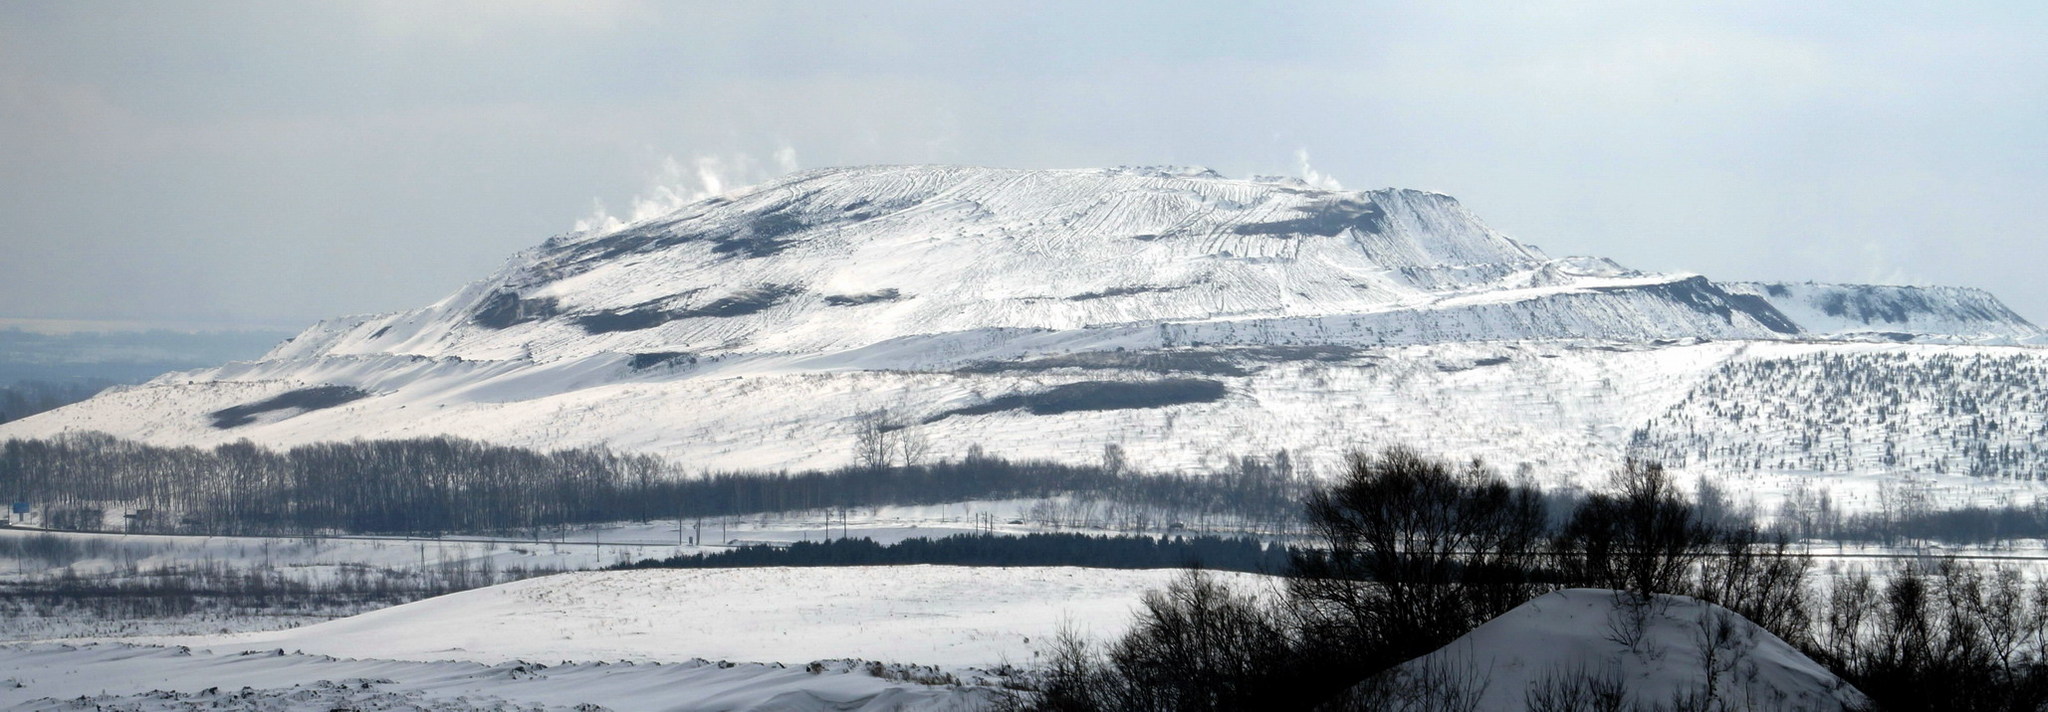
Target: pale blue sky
276, 163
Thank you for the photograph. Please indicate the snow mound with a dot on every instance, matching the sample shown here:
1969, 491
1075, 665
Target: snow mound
1658, 652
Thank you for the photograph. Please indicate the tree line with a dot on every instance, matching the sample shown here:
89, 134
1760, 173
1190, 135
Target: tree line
22, 399
1977, 414
1057, 549
443, 484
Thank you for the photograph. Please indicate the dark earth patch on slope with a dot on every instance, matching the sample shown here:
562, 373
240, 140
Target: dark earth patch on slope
504, 309
303, 399
741, 303
767, 234
1897, 305
1864, 306
625, 320
852, 300
746, 301
651, 359
1328, 219
1099, 395
760, 233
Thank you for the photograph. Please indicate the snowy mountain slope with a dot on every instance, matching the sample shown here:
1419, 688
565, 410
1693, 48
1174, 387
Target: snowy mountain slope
1678, 649
1233, 317
1939, 314
840, 258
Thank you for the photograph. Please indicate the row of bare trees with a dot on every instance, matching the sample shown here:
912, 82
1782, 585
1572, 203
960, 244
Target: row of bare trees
432, 485
1417, 551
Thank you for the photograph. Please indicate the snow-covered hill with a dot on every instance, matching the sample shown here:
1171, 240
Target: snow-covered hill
1894, 313
1668, 652
839, 259
1187, 316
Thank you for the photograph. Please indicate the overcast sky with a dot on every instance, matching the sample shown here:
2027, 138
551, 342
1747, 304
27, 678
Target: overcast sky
276, 163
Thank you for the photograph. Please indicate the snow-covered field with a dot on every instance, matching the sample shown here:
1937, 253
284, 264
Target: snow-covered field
949, 616
349, 575
635, 640
883, 638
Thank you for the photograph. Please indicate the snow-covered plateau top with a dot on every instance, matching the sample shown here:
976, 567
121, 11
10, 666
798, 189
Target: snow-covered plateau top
835, 259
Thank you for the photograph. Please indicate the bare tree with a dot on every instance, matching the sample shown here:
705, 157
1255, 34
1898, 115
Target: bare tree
1419, 551
1113, 459
1643, 537
913, 444
871, 446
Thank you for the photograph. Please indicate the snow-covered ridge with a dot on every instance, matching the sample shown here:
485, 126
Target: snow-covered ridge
751, 330
1895, 312
837, 259
841, 258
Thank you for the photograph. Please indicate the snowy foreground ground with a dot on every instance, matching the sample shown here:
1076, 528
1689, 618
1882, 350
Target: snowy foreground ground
879, 638
951, 616
722, 639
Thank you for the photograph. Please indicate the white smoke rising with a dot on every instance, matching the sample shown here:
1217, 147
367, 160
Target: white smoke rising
1881, 267
1313, 177
785, 158
675, 185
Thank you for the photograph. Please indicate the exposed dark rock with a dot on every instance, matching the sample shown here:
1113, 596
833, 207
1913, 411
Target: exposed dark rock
504, 309
1328, 219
